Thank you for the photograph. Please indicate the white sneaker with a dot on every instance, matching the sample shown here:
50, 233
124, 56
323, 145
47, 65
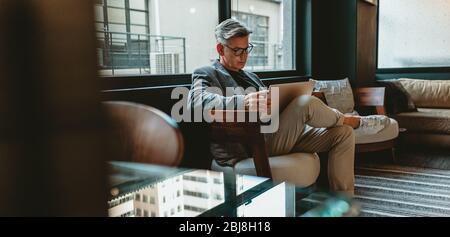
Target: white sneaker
371, 124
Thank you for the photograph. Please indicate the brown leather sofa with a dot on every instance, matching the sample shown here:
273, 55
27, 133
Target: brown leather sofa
428, 122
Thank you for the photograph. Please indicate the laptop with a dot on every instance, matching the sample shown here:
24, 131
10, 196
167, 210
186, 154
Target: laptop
290, 91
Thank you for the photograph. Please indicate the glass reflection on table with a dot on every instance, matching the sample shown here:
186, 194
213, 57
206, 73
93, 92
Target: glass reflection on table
139, 190
186, 195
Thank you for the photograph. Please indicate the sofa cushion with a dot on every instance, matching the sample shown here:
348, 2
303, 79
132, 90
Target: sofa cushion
301, 169
338, 93
389, 132
399, 100
426, 120
428, 93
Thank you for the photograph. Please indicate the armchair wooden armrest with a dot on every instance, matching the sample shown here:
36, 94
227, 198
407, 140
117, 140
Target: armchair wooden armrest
227, 128
371, 96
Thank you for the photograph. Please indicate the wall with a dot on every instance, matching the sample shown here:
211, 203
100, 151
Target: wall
366, 43
333, 31
344, 41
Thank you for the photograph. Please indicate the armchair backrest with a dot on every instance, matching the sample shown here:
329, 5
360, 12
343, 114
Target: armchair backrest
145, 134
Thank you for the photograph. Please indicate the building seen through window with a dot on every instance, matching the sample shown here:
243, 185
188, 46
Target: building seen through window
158, 37
272, 25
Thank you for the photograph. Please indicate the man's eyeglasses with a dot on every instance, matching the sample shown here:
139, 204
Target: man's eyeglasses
240, 51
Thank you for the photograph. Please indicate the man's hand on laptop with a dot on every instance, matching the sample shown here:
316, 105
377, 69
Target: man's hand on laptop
258, 101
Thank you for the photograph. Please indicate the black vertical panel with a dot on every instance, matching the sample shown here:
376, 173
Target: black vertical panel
224, 10
333, 39
349, 40
324, 47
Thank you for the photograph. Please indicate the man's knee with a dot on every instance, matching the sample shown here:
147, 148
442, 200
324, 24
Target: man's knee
345, 133
307, 101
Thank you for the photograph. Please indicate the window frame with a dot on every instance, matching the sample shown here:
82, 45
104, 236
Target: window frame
301, 31
402, 70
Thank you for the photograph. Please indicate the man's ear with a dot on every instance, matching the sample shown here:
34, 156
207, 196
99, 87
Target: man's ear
220, 49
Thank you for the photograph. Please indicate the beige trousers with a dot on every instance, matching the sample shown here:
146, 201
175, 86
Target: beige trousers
308, 125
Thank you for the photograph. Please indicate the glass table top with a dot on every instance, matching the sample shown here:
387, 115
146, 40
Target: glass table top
142, 190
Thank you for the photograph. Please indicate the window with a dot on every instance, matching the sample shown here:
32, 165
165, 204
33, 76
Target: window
123, 35
218, 196
271, 23
145, 213
195, 178
137, 197
218, 180
259, 38
152, 200
138, 37
414, 34
196, 194
194, 209
138, 212
144, 198
128, 214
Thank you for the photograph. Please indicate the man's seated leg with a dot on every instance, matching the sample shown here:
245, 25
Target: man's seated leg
303, 128
339, 142
304, 110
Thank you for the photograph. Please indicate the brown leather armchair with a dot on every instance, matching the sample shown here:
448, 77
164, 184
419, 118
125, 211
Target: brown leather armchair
145, 134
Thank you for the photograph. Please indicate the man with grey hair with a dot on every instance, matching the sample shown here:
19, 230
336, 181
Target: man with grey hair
306, 125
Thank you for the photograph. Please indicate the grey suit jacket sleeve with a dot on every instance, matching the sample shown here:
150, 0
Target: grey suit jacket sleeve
202, 94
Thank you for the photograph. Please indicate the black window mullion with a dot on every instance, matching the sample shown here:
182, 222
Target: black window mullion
149, 38
106, 48
224, 10
105, 16
147, 17
128, 28
302, 36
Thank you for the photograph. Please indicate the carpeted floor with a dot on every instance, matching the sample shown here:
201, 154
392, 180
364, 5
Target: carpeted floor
399, 191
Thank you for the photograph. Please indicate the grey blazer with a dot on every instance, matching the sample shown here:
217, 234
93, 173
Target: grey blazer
200, 97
